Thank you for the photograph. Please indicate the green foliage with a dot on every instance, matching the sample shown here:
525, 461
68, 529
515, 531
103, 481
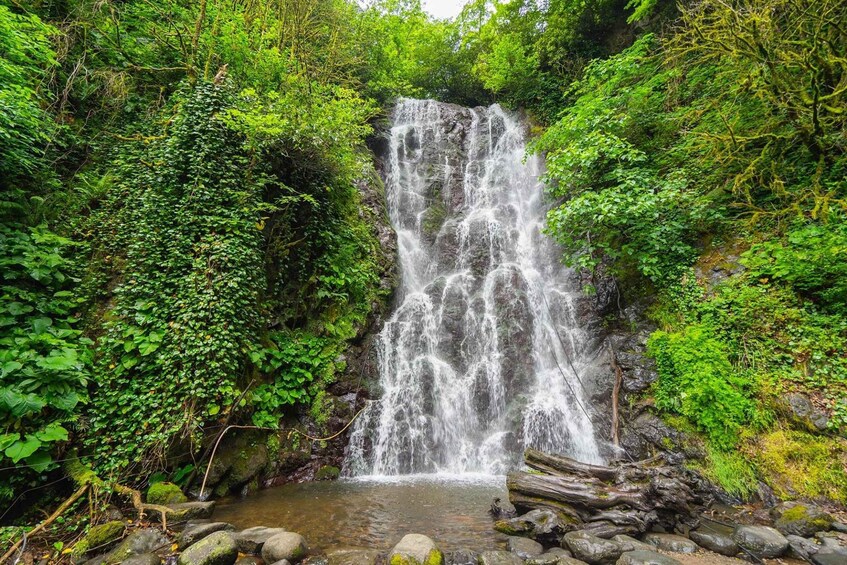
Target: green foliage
697, 381
733, 471
44, 360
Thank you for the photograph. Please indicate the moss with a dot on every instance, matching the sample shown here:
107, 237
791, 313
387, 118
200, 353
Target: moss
99, 537
798, 464
165, 493
435, 557
504, 526
433, 217
327, 473
800, 513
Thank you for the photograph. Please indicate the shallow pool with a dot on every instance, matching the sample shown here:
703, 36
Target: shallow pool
376, 512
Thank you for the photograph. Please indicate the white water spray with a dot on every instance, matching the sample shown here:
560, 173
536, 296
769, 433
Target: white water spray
478, 361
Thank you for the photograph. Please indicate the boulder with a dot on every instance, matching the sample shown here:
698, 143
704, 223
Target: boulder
195, 532
461, 557
799, 408
628, 543
591, 549
714, 541
524, 547
497, 558
552, 556
353, 556
416, 549
829, 558
143, 559
251, 540
98, 539
646, 557
165, 493
794, 518
185, 511
540, 524
144, 540
570, 561
218, 548
761, 541
671, 542
801, 548
285, 545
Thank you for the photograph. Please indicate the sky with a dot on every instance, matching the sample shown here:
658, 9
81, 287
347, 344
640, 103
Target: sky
443, 8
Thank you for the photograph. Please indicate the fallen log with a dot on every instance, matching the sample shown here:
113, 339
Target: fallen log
627, 498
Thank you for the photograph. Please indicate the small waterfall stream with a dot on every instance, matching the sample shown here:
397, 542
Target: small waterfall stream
480, 356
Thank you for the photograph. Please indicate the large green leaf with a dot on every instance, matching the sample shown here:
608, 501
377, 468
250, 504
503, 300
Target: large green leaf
17, 404
22, 449
53, 432
39, 461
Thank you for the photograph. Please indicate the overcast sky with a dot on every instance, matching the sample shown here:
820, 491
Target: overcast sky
443, 8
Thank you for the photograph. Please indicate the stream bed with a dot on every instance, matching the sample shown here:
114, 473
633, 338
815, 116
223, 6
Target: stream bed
377, 511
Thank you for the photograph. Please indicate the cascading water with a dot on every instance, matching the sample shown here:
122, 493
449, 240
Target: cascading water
480, 358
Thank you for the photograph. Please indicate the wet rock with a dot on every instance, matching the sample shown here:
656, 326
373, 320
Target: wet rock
165, 493
145, 540
539, 524
195, 532
647, 433
499, 558
671, 542
801, 548
645, 557
570, 561
285, 545
553, 556
249, 560
628, 543
352, 557
591, 549
183, 512
761, 541
800, 519
717, 542
524, 547
251, 540
143, 559
416, 549
829, 558
282, 562
218, 548
461, 557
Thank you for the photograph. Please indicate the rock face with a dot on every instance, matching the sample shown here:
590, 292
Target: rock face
524, 547
591, 549
415, 549
645, 557
794, 518
717, 542
761, 541
194, 533
251, 540
286, 545
217, 548
671, 542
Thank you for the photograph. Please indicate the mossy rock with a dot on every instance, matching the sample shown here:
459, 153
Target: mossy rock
165, 493
98, 537
327, 473
435, 557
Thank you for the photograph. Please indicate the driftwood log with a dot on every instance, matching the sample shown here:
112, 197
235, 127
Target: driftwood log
627, 498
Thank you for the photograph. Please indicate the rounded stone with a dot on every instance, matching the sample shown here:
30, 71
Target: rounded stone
761, 541
215, 549
416, 549
671, 542
524, 547
805, 520
195, 532
143, 559
285, 545
499, 558
719, 543
252, 539
352, 556
628, 543
646, 557
591, 549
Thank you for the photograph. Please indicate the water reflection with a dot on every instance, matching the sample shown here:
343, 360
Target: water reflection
377, 511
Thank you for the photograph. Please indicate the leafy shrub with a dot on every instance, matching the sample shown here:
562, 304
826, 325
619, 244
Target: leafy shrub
44, 360
697, 381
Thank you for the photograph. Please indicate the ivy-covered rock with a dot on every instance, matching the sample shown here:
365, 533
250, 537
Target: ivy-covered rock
165, 493
98, 538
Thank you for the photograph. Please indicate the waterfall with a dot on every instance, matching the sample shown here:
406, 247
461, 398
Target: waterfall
482, 355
